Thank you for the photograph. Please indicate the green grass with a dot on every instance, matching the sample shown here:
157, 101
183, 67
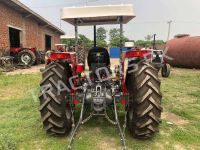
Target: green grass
21, 128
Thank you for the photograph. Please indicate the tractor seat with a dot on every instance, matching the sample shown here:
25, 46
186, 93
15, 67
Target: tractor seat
98, 56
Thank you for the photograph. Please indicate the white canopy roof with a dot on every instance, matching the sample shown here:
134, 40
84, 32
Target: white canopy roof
98, 15
60, 44
67, 37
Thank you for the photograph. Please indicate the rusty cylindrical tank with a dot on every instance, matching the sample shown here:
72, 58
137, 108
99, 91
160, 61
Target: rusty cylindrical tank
185, 51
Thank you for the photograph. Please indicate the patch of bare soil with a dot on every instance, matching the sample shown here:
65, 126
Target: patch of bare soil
33, 69
108, 144
177, 120
178, 147
179, 71
160, 146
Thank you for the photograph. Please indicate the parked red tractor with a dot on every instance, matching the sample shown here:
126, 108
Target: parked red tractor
27, 56
64, 86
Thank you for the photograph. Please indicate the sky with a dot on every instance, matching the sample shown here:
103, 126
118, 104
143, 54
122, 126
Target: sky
151, 16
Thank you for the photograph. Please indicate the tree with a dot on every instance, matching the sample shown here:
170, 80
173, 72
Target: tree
101, 33
116, 42
69, 42
143, 43
115, 38
101, 43
101, 37
148, 42
148, 37
114, 33
82, 41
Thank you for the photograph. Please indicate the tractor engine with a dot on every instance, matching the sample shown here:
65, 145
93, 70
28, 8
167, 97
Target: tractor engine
99, 96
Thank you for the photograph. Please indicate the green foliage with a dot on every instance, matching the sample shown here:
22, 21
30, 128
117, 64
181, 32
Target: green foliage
101, 43
101, 33
113, 33
143, 43
82, 41
148, 37
101, 37
115, 42
85, 42
115, 38
7, 142
1, 72
69, 42
148, 42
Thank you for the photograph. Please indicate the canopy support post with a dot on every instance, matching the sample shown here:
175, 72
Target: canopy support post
121, 54
121, 33
95, 36
76, 35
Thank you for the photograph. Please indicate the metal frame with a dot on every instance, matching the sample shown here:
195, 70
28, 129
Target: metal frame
116, 121
82, 16
95, 36
120, 21
83, 121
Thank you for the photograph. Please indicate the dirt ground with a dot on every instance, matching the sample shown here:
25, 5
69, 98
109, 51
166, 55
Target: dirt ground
174, 119
36, 69
33, 69
114, 62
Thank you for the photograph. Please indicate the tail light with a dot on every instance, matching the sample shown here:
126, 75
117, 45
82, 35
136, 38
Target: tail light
139, 53
123, 102
80, 68
75, 102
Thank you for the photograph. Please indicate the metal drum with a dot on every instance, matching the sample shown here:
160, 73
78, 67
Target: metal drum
185, 51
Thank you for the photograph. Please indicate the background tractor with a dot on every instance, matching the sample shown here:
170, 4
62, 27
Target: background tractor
158, 60
61, 47
154, 56
64, 85
27, 56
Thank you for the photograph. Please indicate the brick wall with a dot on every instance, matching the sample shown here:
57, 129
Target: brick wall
8, 17
32, 33
57, 40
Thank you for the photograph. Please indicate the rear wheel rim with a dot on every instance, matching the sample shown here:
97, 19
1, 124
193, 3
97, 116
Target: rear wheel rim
26, 59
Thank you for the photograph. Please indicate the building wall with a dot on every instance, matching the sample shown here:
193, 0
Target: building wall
32, 34
8, 17
57, 39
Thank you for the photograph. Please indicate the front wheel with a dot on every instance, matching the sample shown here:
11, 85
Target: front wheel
144, 108
165, 71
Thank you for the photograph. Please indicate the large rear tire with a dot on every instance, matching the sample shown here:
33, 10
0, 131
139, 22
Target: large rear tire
81, 56
144, 109
27, 57
54, 106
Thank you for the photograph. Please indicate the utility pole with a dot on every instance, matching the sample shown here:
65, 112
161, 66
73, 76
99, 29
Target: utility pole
154, 41
60, 18
169, 29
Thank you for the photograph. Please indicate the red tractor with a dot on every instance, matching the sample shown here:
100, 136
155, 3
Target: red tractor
27, 56
64, 85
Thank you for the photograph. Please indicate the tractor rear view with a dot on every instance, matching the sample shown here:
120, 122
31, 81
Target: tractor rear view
64, 85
